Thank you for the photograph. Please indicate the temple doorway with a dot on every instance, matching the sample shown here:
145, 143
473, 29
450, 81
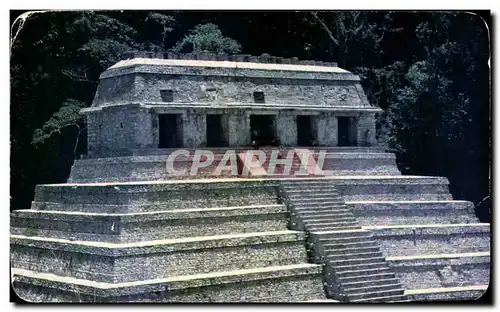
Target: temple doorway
170, 130
347, 131
306, 134
263, 130
215, 131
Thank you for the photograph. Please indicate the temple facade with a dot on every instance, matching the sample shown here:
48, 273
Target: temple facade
208, 101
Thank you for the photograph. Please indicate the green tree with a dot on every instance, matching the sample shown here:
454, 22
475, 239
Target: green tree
207, 38
355, 36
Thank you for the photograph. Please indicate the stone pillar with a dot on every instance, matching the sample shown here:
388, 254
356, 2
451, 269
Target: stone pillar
225, 128
352, 133
286, 129
194, 128
366, 129
155, 128
327, 129
145, 134
238, 128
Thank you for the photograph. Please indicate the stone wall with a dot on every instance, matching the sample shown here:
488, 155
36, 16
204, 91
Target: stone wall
366, 131
436, 272
286, 129
144, 131
117, 130
205, 89
239, 129
327, 127
194, 128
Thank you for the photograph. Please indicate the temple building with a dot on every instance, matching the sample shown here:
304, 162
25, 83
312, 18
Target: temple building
149, 103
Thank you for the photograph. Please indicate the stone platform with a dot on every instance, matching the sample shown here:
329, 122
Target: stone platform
151, 164
355, 238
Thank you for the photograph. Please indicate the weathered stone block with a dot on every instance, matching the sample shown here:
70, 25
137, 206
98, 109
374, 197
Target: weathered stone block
432, 239
448, 271
120, 227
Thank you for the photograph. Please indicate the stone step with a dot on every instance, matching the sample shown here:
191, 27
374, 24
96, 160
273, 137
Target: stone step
371, 170
305, 185
129, 227
311, 192
323, 301
466, 292
357, 188
351, 292
334, 256
372, 213
343, 263
128, 262
347, 246
336, 222
377, 207
303, 212
302, 281
319, 229
431, 218
365, 264
408, 196
380, 296
442, 269
313, 189
349, 251
317, 201
342, 183
321, 219
320, 214
307, 214
332, 242
356, 272
418, 239
369, 283
344, 236
136, 168
370, 276
333, 208
325, 216
310, 188
168, 194
316, 197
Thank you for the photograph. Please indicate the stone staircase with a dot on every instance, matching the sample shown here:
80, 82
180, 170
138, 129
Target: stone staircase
179, 241
356, 269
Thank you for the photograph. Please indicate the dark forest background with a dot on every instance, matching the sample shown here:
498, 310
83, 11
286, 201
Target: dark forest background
428, 70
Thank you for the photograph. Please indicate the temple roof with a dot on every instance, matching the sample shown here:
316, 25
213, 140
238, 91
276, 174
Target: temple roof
264, 66
229, 64
221, 81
